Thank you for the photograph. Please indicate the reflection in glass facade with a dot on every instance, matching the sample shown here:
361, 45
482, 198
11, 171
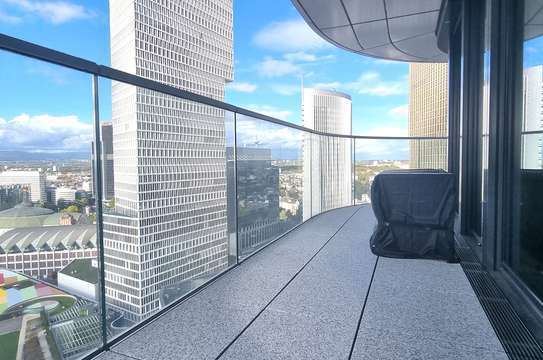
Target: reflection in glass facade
526, 255
269, 179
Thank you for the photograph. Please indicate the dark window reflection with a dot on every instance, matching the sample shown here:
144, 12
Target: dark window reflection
527, 251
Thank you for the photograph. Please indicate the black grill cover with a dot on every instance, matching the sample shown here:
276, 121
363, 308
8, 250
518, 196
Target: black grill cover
415, 211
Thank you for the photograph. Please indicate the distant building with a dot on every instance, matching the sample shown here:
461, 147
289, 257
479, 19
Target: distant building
34, 181
66, 219
65, 194
533, 118
80, 277
37, 241
108, 176
428, 107
51, 195
327, 162
10, 195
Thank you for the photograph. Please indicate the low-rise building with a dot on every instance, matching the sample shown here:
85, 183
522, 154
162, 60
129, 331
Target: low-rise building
80, 277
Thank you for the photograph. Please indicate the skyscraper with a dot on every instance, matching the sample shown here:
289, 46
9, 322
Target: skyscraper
169, 223
108, 178
32, 180
327, 160
532, 117
428, 107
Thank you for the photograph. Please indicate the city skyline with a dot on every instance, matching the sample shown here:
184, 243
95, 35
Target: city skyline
378, 87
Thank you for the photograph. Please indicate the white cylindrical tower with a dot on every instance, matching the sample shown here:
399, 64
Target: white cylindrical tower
327, 160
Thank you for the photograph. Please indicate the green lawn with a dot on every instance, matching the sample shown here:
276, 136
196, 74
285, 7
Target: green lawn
64, 303
8, 345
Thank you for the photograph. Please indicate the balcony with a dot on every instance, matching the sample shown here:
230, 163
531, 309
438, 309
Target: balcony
319, 293
198, 229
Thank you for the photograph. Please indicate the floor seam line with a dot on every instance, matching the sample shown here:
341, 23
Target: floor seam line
223, 351
353, 344
127, 356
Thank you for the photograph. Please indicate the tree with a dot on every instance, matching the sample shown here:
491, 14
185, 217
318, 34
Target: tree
111, 203
82, 202
72, 208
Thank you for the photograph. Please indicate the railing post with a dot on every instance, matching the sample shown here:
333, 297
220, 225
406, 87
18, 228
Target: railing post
235, 156
353, 170
98, 187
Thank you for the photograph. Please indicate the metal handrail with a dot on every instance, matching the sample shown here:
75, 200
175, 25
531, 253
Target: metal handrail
533, 132
43, 53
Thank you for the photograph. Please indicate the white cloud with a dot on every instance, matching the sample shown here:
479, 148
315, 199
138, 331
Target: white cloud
270, 67
386, 149
289, 35
399, 112
267, 135
9, 19
269, 111
371, 83
56, 12
242, 87
302, 56
45, 132
285, 89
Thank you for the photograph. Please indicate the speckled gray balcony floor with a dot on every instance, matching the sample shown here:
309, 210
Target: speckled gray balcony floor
292, 301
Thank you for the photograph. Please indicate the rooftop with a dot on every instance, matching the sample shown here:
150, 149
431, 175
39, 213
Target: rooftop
319, 293
82, 269
23, 210
47, 237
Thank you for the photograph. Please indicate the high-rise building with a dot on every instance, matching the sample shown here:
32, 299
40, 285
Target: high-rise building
169, 221
108, 178
10, 195
327, 160
428, 107
32, 181
532, 118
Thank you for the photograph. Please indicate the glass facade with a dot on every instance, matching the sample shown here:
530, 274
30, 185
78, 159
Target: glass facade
526, 252
485, 118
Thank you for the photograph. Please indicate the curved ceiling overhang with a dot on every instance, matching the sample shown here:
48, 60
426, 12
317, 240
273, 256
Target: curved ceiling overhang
402, 30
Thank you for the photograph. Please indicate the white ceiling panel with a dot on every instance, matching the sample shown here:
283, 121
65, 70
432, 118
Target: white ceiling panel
390, 29
363, 11
372, 34
406, 27
326, 13
345, 36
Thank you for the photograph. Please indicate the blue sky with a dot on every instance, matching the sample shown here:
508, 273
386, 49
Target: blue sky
273, 49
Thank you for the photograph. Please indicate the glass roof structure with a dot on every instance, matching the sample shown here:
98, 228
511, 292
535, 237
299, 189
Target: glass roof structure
388, 29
